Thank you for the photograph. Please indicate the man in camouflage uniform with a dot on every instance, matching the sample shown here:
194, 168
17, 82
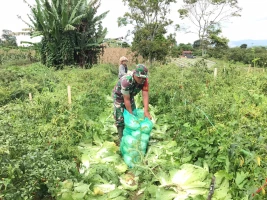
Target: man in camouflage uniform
123, 95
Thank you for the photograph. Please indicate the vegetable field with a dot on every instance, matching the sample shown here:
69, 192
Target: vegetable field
209, 139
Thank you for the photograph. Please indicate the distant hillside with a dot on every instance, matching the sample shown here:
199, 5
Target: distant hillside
248, 42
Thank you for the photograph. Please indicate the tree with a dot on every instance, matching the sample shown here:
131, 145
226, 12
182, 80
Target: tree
70, 30
157, 49
243, 46
205, 13
174, 50
8, 39
149, 18
215, 40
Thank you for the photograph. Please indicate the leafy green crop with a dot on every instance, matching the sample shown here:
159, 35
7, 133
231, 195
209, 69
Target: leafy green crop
52, 150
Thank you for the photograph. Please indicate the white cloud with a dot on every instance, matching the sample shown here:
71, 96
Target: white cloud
251, 25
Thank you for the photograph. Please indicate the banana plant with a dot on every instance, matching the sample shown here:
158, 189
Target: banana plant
68, 28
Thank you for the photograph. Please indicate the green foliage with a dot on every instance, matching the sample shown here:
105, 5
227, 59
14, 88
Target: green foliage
213, 42
215, 39
158, 48
213, 121
39, 138
217, 124
71, 32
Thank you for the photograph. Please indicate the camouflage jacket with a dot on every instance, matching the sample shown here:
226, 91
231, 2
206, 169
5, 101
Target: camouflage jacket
128, 86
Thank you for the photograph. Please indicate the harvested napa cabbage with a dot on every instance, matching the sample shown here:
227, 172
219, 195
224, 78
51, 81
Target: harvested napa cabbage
192, 181
106, 153
129, 182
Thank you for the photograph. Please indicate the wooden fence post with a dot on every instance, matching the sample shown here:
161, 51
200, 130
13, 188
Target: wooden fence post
215, 72
30, 96
69, 94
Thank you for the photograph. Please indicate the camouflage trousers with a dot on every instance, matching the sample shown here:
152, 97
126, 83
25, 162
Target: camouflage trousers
118, 112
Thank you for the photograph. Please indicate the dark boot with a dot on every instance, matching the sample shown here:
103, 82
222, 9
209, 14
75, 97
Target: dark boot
120, 133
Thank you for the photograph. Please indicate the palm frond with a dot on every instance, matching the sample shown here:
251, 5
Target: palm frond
39, 14
78, 19
64, 15
37, 33
101, 16
75, 10
55, 11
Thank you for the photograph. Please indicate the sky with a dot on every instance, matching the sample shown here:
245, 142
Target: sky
251, 25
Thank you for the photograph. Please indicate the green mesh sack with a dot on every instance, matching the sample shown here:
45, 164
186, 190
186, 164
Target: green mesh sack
139, 113
130, 160
145, 137
135, 136
130, 151
127, 131
146, 126
130, 141
130, 120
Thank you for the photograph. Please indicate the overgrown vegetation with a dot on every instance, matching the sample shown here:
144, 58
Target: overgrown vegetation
216, 123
